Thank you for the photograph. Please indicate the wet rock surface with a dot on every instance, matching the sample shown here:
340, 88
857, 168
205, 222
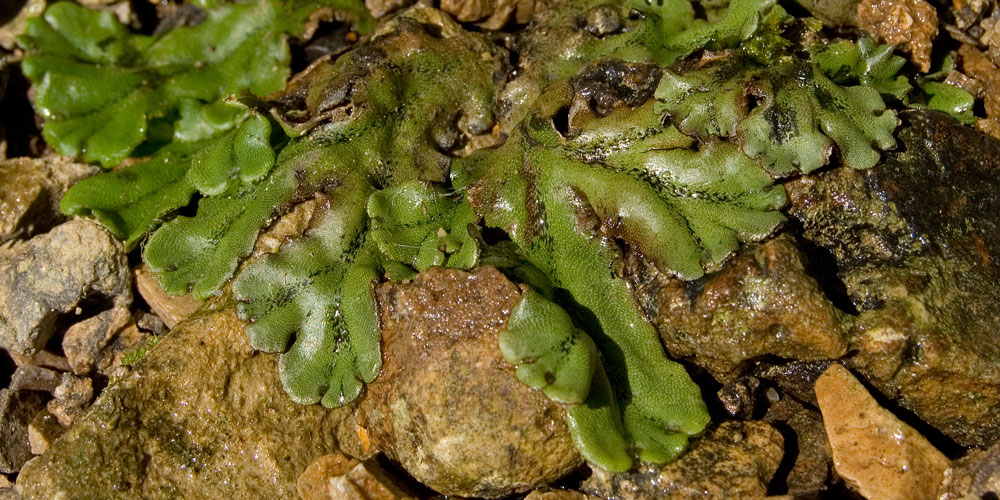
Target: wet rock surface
51, 274
735, 460
447, 406
762, 302
914, 243
878, 454
29, 202
203, 416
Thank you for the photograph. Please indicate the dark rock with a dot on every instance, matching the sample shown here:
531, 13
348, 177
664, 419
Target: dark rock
735, 460
915, 243
16, 410
50, 274
201, 416
35, 378
805, 438
739, 397
150, 322
603, 86
29, 202
762, 302
447, 406
974, 477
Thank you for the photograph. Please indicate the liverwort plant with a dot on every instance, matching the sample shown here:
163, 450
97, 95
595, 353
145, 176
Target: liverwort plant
423, 135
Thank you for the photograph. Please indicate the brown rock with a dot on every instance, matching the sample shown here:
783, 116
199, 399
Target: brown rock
84, 341
201, 416
72, 397
910, 24
492, 14
16, 410
875, 452
170, 308
42, 431
35, 378
338, 477
447, 407
379, 8
549, 494
50, 274
312, 484
29, 202
762, 302
735, 460
41, 358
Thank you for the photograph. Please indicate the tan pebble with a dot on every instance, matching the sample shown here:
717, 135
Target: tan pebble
875, 452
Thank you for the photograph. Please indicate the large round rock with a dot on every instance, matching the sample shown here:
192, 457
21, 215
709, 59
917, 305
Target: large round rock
447, 406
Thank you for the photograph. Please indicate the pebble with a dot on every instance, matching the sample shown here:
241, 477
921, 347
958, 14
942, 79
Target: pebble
879, 455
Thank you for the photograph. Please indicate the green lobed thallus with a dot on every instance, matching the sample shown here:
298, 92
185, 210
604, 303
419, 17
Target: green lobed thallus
384, 135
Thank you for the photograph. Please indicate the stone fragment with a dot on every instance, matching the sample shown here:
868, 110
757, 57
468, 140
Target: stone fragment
735, 460
29, 202
42, 431
72, 397
447, 406
491, 14
379, 8
202, 416
126, 344
551, 494
809, 473
84, 341
150, 323
338, 477
913, 247
313, 483
50, 274
976, 476
910, 24
170, 308
41, 358
762, 302
35, 378
16, 410
875, 452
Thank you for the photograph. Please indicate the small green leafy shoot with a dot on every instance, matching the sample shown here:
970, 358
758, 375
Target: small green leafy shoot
863, 63
422, 226
133, 357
